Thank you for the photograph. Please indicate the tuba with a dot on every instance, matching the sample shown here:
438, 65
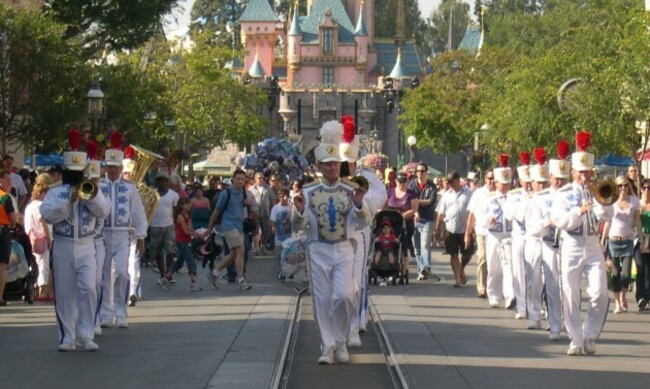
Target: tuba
143, 160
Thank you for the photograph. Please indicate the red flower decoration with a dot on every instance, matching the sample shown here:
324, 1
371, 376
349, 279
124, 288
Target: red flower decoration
563, 149
116, 140
583, 141
349, 129
524, 158
92, 149
503, 160
74, 139
540, 155
129, 152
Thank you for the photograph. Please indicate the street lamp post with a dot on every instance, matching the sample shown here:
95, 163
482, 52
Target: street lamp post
411, 141
95, 99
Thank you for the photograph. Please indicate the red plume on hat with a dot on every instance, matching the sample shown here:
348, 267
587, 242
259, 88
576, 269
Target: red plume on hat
116, 140
583, 141
524, 158
129, 152
503, 160
563, 149
540, 155
74, 139
349, 129
92, 149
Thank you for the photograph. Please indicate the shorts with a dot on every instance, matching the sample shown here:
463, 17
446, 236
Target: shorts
5, 245
234, 238
455, 243
621, 248
162, 239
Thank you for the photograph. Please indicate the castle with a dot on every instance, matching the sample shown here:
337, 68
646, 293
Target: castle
325, 64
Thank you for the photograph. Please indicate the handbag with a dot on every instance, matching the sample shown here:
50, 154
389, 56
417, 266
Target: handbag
39, 245
249, 225
644, 245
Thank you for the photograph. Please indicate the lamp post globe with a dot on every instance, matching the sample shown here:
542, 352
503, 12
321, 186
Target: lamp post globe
95, 99
411, 141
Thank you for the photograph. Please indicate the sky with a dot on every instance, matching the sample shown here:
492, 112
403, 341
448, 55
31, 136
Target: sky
181, 17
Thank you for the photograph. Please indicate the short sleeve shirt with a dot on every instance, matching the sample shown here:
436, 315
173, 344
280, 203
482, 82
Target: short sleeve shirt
453, 205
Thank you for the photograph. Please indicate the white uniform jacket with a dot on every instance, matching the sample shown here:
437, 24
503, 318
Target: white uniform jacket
330, 215
73, 221
126, 207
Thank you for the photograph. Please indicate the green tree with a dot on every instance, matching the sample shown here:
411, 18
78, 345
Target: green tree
221, 18
110, 24
43, 80
439, 24
211, 106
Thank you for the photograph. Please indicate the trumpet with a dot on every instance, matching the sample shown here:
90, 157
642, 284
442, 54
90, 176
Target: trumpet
87, 190
605, 192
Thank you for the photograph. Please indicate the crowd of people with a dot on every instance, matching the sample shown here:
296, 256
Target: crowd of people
533, 242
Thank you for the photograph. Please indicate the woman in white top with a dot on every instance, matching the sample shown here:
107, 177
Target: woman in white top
620, 232
36, 227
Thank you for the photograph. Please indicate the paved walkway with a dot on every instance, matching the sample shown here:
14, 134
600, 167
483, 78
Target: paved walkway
443, 337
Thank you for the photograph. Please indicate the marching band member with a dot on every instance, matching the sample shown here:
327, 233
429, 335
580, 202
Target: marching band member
135, 290
94, 173
375, 198
74, 263
328, 212
515, 197
126, 210
542, 226
533, 245
577, 215
490, 216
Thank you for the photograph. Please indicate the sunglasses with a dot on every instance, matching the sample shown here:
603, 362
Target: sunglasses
421, 171
489, 178
646, 188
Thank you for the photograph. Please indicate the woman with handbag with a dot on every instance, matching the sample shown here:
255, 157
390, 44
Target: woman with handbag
39, 235
620, 232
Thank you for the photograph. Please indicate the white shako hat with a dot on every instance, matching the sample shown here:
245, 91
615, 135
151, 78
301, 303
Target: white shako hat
94, 166
349, 147
128, 163
539, 172
114, 155
503, 173
561, 168
330, 138
524, 169
74, 159
581, 160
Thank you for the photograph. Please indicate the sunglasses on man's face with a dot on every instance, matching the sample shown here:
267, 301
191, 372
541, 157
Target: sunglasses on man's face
646, 187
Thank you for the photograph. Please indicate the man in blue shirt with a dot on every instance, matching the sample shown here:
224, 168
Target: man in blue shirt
230, 206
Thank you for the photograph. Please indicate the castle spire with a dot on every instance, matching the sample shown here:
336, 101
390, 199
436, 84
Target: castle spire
295, 25
361, 24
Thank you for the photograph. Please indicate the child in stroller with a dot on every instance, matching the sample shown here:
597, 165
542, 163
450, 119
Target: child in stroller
386, 243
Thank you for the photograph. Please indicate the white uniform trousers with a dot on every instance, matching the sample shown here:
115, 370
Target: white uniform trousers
551, 266
75, 273
331, 276
134, 270
360, 280
519, 271
115, 275
534, 277
100, 254
499, 275
578, 257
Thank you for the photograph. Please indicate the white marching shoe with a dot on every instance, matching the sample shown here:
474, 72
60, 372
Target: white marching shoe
354, 340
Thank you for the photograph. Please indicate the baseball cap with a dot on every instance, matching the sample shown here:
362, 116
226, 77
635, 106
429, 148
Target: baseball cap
227, 181
56, 169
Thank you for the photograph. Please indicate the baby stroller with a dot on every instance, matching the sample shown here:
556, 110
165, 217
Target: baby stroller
21, 270
384, 269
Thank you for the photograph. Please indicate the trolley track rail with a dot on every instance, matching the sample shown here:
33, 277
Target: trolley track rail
290, 353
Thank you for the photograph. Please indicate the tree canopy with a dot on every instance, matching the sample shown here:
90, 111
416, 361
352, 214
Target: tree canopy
111, 25
514, 83
42, 79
